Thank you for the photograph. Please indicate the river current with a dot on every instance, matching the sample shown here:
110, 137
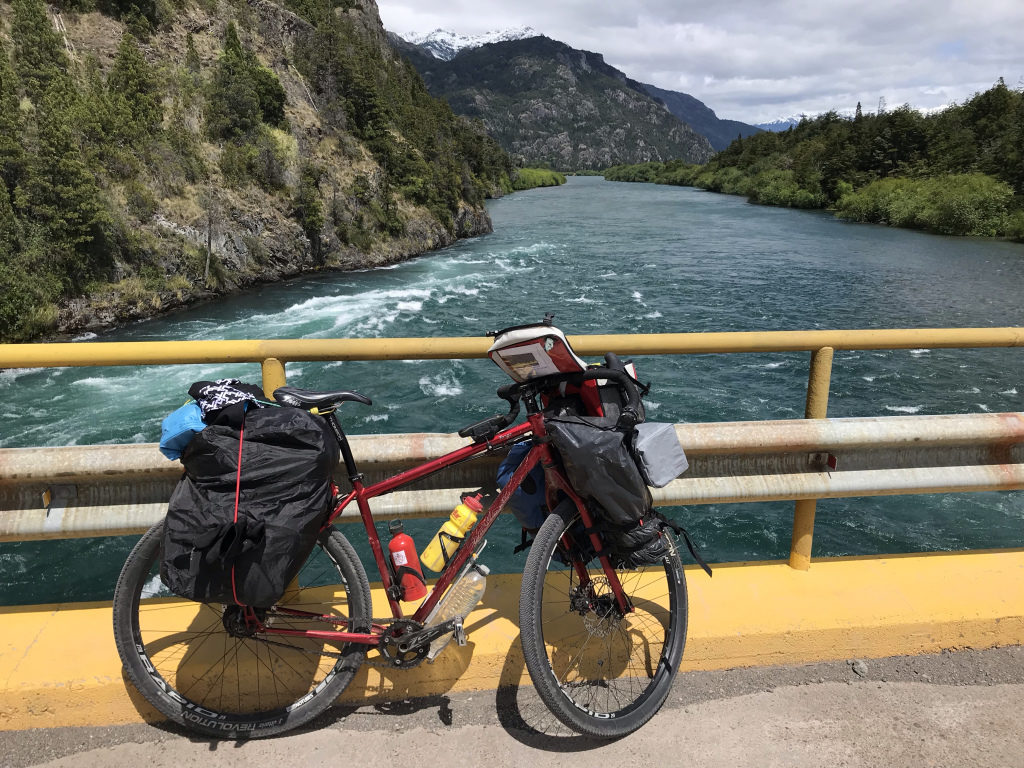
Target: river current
605, 258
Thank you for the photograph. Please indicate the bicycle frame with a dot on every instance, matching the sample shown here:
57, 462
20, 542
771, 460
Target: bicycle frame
361, 494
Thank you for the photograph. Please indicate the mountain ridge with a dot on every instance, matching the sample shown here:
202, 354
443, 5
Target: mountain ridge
548, 103
691, 110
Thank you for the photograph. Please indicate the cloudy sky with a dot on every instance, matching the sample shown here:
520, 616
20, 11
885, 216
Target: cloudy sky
758, 60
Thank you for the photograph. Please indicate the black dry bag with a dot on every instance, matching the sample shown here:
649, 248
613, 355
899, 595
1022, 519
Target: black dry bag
248, 510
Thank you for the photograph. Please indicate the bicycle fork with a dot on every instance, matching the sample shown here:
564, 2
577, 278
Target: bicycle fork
555, 481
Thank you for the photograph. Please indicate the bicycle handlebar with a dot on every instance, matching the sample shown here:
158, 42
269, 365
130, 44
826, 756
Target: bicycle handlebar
630, 415
514, 392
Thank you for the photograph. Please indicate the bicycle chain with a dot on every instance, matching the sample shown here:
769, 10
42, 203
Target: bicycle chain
334, 654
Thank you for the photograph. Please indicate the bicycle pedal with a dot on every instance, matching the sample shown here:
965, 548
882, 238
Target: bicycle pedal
460, 634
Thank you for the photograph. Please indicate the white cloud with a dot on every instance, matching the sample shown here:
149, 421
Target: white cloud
756, 60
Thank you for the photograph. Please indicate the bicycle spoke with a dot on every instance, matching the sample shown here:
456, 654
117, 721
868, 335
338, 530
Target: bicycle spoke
190, 657
600, 672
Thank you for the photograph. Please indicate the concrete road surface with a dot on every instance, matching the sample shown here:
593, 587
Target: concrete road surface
954, 709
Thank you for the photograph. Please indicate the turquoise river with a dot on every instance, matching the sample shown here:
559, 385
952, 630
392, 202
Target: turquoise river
605, 258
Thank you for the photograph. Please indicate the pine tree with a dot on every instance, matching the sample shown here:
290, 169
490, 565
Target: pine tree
39, 57
233, 106
62, 195
243, 93
132, 81
308, 209
12, 153
97, 115
8, 227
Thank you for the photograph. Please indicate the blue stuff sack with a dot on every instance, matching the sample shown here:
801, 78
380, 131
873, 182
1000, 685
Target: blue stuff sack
179, 428
527, 503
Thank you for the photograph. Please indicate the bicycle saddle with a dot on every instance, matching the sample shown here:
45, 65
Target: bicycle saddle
304, 398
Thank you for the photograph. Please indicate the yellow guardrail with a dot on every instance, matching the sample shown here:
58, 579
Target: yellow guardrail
274, 354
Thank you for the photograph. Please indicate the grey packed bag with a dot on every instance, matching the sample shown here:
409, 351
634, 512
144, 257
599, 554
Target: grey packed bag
659, 456
595, 454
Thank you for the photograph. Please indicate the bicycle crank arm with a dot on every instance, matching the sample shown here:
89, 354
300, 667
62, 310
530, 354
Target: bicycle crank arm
430, 634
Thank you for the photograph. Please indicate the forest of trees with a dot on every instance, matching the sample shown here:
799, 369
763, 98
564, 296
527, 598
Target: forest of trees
956, 172
88, 151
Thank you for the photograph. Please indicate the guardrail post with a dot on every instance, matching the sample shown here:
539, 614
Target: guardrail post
273, 376
817, 408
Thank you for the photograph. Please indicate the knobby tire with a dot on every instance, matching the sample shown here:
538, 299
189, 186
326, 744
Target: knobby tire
601, 674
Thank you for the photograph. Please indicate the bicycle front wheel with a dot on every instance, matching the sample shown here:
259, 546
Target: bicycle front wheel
197, 665
601, 672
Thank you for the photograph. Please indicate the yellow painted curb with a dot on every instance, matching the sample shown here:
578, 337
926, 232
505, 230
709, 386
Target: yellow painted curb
59, 667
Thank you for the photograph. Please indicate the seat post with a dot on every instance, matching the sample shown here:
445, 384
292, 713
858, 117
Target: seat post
346, 450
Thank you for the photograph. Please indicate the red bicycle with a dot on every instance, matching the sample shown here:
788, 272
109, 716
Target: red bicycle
602, 642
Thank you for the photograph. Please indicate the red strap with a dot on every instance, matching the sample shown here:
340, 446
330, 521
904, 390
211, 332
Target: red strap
238, 489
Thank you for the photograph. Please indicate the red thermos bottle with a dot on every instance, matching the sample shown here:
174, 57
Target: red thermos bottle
403, 554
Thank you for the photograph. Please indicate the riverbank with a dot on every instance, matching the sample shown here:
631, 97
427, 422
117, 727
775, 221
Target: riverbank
135, 298
973, 205
531, 178
956, 172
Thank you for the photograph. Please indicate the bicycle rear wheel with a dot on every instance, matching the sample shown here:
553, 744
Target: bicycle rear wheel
196, 665
601, 673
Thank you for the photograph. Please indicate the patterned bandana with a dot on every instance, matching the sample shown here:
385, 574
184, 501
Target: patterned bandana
214, 395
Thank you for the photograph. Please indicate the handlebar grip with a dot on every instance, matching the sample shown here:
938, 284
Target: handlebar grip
612, 361
509, 392
486, 429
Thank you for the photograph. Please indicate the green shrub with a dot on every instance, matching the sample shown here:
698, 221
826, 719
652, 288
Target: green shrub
272, 158
958, 204
237, 163
140, 201
729, 180
529, 178
1014, 226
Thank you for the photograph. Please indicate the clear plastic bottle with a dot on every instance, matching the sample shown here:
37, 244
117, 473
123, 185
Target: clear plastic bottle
462, 597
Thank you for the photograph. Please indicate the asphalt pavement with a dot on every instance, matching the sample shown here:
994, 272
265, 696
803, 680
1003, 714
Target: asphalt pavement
963, 708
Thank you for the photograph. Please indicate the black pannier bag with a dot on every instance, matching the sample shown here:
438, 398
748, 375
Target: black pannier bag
245, 549
599, 464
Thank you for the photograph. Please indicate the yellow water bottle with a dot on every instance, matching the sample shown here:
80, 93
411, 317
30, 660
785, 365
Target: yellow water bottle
442, 546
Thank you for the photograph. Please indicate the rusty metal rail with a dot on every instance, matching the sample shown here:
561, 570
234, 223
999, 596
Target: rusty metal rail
123, 489
799, 484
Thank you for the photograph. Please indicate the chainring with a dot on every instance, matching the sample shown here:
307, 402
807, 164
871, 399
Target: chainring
391, 649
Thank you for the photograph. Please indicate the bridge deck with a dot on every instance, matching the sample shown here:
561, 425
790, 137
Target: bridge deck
58, 665
952, 709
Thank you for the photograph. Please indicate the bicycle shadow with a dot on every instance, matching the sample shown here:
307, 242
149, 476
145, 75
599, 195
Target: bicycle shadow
526, 718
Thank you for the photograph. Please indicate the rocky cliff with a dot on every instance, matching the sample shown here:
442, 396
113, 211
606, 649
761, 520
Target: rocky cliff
360, 168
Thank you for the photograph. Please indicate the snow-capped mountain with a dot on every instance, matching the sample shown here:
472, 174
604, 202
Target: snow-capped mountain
444, 44
782, 124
